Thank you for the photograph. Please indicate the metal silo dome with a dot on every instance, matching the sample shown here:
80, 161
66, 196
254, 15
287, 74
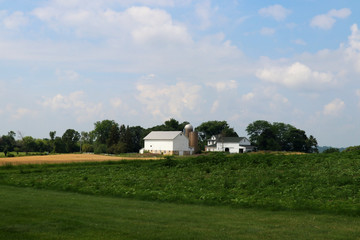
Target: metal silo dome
189, 126
187, 129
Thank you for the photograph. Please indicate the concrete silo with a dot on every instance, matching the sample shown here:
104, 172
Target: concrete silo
192, 136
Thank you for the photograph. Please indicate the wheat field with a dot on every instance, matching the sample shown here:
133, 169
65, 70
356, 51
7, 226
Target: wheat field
65, 158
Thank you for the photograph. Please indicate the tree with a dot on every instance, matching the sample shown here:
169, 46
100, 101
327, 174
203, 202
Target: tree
255, 129
114, 135
268, 140
102, 130
8, 143
211, 128
59, 146
70, 139
52, 140
29, 144
280, 136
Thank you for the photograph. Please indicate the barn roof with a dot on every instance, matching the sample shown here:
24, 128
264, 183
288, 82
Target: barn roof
162, 135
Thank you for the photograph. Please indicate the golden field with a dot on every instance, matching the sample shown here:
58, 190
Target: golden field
65, 158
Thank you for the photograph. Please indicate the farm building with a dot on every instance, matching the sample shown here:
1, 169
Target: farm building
171, 142
228, 144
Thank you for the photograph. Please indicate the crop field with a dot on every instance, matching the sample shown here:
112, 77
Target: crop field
64, 158
310, 184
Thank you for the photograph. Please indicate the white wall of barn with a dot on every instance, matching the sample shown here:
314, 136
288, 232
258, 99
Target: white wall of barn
181, 143
153, 144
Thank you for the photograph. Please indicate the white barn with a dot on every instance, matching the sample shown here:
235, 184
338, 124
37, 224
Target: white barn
228, 144
167, 142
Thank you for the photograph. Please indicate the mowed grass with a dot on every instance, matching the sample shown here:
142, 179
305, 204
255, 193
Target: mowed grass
27, 213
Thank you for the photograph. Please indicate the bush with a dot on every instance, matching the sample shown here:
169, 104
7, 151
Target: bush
352, 149
101, 148
10, 155
332, 150
87, 148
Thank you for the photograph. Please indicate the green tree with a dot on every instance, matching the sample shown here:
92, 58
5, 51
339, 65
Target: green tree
29, 144
211, 128
8, 143
280, 136
255, 129
70, 139
268, 140
102, 130
52, 140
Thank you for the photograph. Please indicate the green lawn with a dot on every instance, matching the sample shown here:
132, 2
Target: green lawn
27, 213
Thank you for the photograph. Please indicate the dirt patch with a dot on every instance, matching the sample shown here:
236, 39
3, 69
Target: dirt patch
66, 158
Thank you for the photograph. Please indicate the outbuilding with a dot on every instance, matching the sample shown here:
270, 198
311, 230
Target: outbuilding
167, 142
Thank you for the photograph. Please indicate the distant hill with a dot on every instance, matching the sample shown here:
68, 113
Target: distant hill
323, 148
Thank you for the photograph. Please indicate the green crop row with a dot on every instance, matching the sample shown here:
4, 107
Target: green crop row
314, 182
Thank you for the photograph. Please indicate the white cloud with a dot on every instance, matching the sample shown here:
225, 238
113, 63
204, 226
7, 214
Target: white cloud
248, 97
139, 24
334, 108
15, 20
204, 13
23, 112
169, 101
215, 106
358, 94
277, 12
116, 102
67, 75
326, 21
297, 75
76, 104
224, 85
267, 31
353, 49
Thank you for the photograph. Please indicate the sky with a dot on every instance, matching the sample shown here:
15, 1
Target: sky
65, 64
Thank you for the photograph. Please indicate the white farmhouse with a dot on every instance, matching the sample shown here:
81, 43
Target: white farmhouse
167, 142
228, 144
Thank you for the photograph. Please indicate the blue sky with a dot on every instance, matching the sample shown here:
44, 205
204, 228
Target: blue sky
69, 63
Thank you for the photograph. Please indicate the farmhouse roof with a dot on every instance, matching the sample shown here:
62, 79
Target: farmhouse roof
231, 139
162, 135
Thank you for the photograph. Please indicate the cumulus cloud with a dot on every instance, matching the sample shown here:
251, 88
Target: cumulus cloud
204, 12
334, 108
224, 85
326, 21
297, 75
141, 24
169, 100
277, 12
15, 20
267, 100
74, 103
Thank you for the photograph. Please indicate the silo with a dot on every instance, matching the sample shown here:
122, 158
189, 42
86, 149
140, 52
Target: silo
188, 128
193, 140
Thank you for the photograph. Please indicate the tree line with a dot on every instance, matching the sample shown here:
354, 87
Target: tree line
110, 137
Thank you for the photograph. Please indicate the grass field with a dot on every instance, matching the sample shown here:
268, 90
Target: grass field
314, 182
228, 197
27, 213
